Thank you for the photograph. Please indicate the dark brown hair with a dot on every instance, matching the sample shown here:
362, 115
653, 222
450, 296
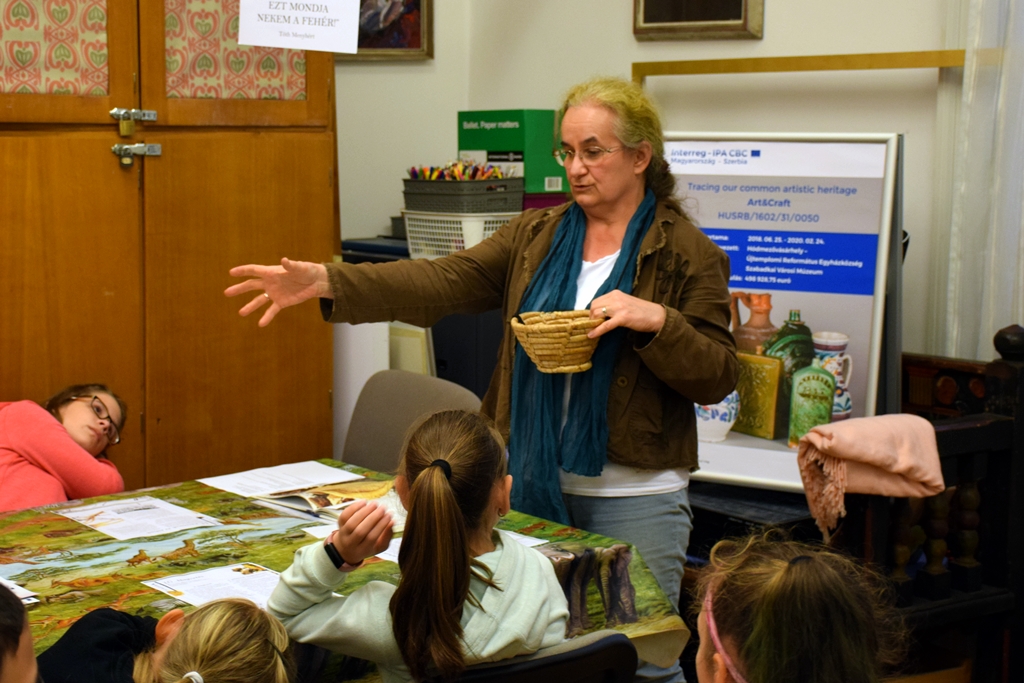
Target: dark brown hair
12, 623
67, 394
426, 609
822, 618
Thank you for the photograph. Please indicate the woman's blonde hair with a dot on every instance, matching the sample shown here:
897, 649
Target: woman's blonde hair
636, 121
797, 613
224, 641
446, 506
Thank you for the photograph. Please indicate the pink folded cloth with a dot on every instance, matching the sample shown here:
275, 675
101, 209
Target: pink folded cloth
886, 455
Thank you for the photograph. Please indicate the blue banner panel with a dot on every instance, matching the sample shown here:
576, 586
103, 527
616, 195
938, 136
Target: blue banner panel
830, 263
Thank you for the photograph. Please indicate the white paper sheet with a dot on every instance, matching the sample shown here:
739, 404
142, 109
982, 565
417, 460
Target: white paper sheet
25, 595
324, 25
391, 554
528, 541
247, 580
295, 475
137, 517
321, 531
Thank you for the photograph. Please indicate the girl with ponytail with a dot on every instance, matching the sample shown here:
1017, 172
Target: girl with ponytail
467, 593
775, 611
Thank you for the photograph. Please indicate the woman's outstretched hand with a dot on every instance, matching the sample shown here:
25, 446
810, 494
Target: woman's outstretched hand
623, 310
281, 286
364, 529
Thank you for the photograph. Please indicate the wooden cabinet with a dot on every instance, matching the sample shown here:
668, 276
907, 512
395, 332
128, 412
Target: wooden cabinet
115, 273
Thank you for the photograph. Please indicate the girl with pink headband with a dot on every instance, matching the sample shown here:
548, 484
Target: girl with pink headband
776, 611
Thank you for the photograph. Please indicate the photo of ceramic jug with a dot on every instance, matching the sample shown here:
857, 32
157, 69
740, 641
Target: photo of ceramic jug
830, 352
814, 390
758, 329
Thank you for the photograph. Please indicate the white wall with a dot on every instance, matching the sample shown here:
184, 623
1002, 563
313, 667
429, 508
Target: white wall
393, 115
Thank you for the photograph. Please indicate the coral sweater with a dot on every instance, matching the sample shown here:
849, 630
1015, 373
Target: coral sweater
40, 463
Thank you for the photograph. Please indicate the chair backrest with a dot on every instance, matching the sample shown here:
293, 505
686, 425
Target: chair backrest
600, 657
389, 403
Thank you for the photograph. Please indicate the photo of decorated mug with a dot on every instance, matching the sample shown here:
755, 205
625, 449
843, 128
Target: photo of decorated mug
830, 352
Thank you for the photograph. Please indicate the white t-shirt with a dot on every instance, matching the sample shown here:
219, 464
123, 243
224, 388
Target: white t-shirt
615, 481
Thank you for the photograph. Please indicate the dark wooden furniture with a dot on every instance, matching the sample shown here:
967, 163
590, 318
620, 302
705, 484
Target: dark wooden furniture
956, 560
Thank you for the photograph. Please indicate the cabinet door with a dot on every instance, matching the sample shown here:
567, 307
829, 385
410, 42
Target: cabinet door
67, 61
223, 395
196, 74
71, 281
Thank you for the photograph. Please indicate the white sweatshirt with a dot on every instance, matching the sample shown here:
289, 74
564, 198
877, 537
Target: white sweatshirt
529, 612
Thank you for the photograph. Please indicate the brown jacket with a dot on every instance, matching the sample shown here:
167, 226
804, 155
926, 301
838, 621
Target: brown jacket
657, 378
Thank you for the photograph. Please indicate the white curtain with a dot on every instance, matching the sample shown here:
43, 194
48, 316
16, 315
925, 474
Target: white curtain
980, 286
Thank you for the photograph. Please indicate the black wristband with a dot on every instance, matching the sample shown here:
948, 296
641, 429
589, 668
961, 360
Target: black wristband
336, 559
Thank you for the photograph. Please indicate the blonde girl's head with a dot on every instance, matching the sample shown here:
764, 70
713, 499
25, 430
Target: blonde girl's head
787, 612
226, 641
453, 463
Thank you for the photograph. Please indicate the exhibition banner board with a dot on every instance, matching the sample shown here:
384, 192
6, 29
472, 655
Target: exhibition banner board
805, 221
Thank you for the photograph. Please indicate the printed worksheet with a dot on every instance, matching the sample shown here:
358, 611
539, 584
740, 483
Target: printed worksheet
264, 480
246, 580
137, 517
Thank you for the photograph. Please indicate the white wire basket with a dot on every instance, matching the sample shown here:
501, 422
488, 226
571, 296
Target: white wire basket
432, 235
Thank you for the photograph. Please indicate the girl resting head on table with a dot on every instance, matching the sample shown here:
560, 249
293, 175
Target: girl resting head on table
225, 641
467, 593
776, 611
58, 452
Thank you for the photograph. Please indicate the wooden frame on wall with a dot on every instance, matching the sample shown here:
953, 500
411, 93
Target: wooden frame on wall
698, 20
407, 34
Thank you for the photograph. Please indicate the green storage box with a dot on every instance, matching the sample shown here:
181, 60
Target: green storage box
520, 141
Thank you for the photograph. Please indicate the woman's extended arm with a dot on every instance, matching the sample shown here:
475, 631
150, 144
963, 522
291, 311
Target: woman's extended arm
281, 286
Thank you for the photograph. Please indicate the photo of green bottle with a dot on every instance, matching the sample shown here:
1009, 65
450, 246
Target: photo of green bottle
814, 389
794, 346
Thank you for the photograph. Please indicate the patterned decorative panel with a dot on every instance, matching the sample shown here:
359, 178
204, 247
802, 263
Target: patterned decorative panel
54, 46
204, 59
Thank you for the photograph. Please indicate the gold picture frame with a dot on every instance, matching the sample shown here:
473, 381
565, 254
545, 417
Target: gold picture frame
698, 19
407, 34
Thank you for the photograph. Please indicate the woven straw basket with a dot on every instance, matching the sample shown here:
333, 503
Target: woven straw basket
557, 342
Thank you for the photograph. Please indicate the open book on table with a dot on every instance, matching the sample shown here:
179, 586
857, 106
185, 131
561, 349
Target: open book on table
330, 499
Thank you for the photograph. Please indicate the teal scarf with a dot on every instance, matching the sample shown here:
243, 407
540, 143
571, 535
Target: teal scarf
537, 450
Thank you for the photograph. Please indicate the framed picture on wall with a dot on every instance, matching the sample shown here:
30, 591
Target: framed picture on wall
697, 19
394, 30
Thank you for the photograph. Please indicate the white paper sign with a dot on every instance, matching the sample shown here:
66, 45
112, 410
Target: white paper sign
324, 25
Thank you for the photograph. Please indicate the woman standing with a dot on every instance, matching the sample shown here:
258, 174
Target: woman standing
610, 450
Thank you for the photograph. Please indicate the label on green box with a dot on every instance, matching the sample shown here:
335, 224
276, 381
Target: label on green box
519, 141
